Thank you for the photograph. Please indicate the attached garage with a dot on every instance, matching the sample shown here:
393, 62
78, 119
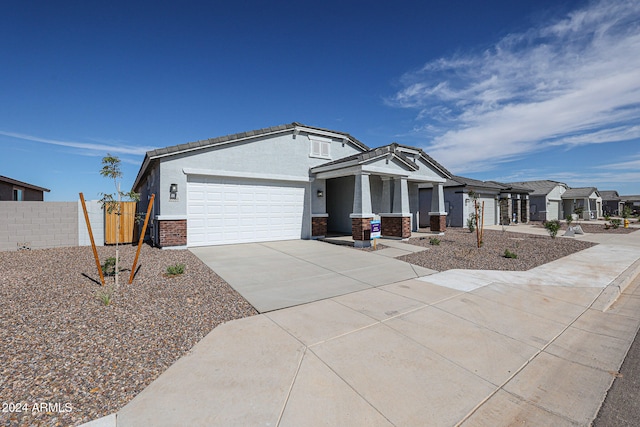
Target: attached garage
553, 209
489, 210
233, 210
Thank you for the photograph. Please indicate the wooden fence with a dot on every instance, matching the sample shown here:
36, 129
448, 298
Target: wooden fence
127, 224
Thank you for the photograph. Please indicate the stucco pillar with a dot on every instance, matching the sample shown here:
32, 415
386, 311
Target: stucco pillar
517, 209
525, 210
362, 212
386, 195
401, 196
438, 215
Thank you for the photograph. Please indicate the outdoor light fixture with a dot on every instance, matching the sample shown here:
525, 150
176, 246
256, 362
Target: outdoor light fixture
173, 191
320, 193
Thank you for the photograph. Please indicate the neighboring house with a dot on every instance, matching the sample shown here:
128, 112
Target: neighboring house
545, 199
632, 202
514, 204
612, 204
285, 182
586, 200
501, 202
12, 189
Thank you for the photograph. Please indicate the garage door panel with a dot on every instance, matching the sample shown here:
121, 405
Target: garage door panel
238, 211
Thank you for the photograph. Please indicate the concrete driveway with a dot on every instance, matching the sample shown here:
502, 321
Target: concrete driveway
277, 275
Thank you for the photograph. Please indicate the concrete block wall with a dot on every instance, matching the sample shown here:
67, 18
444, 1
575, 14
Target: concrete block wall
96, 218
39, 225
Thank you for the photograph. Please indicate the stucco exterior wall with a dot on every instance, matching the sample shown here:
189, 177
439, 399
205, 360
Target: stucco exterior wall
269, 157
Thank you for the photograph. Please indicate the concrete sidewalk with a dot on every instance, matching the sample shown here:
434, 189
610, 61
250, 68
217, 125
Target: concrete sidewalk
470, 348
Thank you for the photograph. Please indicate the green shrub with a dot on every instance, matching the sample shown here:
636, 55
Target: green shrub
175, 270
109, 267
615, 223
569, 219
434, 241
509, 254
471, 223
607, 217
105, 295
552, 227
626, 212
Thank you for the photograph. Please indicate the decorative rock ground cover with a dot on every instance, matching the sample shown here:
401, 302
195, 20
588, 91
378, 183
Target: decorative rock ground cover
66, 359
458, 249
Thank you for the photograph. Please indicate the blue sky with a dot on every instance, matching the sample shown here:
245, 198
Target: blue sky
505, 90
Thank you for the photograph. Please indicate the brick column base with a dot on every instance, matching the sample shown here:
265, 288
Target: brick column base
396, 226
438, 223
361, 232
319, 226
172, 233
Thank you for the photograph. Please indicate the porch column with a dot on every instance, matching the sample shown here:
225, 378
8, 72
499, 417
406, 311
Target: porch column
438, 215
525, 210
362, 215
398, 222
386, 194
517, 209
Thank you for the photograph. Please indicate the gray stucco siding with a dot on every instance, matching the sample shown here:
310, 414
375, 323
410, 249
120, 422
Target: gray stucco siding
272, 157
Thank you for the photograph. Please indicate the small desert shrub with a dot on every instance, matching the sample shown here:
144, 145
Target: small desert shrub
509, 254
105, 295
175, 270
607, 217
569, 219
434, 241
552, 227
616, 223
471, 223
109, 267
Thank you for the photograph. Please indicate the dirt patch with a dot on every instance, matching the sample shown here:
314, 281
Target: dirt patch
458, 249
63, 348
591, 228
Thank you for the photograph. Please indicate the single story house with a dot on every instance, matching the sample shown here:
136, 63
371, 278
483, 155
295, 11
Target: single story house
612, 204
285, 182
586, 200
545, 199
18, 191
503, 203
632, 202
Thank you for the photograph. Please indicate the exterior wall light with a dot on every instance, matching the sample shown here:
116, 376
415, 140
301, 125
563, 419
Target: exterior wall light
320, 193
173, 191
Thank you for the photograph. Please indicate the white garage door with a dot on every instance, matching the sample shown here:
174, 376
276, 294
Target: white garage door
489, 210
229, 210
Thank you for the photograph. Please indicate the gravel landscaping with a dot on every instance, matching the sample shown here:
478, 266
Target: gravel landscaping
591, 228
458, 249
74, 359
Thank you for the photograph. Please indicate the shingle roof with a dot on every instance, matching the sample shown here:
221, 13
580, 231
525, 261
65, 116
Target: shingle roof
513, 187
371, 154
22, 184
174, 149
609, 195
578, 193
456, 181
539, 188
241, 135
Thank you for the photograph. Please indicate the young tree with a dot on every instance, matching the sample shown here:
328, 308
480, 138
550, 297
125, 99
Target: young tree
111, 202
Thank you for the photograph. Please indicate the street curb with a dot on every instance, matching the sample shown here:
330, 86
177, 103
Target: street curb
612, 292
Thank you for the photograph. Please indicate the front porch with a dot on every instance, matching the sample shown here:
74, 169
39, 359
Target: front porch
379, 185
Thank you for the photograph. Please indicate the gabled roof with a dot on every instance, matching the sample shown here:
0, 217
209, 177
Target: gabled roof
457, 181
400, 152
513, 187
539, 188
610, 195
579, 193
631, 198
22, 184
153, 155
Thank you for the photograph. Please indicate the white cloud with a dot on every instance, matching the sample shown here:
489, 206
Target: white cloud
85, 148
572, 82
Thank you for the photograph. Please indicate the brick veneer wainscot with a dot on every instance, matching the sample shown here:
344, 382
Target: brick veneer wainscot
319, 226
358, 226
173, 233
438, 223
396, 226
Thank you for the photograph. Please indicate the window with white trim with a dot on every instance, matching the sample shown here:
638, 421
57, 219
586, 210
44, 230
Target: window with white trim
320, 148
